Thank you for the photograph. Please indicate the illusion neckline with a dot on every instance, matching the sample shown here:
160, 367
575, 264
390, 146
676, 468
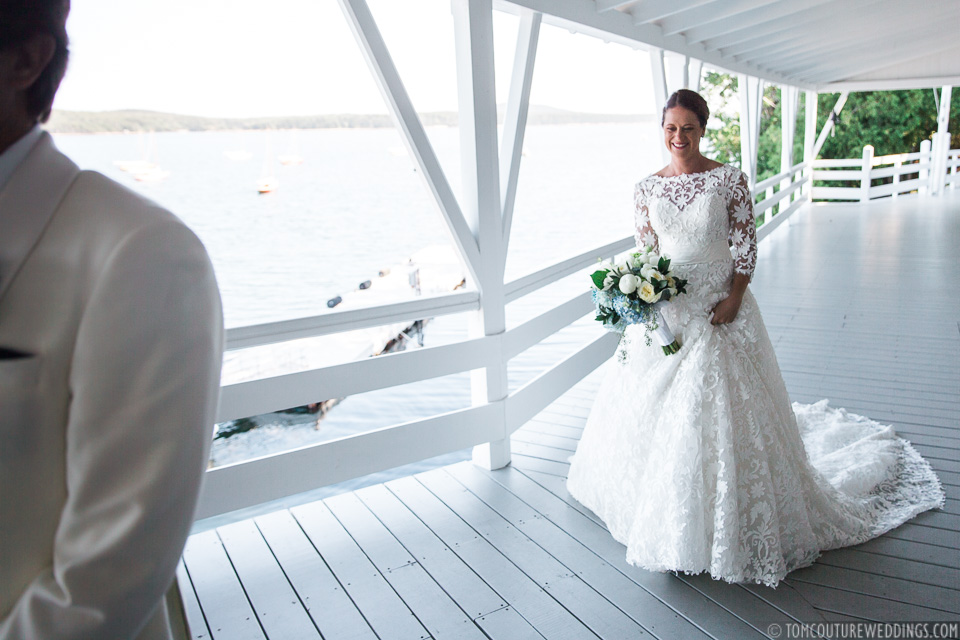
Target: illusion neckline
688, 175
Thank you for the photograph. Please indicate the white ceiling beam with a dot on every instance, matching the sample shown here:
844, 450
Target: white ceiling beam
867, 52
780, 9
947, 40
768, 31
697, 16
613, 5
653, 10
783, 48
831, 51
615, 26
790, 31
786, 30
742, 40
833, 40
891, 85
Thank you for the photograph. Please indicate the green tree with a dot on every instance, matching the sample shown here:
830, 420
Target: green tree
891, 121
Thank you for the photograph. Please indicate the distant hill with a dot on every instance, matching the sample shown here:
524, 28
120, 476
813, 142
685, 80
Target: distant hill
137, 120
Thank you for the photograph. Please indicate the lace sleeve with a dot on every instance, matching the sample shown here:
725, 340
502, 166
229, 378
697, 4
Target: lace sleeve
644, 235
743, 228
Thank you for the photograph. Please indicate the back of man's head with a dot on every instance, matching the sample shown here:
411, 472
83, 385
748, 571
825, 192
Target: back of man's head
21, 20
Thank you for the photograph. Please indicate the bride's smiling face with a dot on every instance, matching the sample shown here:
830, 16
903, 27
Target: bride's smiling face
682, 132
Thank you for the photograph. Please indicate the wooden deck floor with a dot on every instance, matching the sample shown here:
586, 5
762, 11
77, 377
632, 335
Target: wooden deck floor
861, 303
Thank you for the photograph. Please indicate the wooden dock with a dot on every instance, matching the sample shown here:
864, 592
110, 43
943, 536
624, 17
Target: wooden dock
861, 304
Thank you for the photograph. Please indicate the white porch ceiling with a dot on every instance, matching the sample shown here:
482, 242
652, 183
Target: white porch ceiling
824, 45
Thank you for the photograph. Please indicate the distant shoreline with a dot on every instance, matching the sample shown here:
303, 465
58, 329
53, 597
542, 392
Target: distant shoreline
132, 121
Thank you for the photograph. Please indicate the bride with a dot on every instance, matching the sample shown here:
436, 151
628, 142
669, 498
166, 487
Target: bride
697, 461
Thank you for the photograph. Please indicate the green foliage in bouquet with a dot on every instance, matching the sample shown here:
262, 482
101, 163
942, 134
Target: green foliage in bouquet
624, 293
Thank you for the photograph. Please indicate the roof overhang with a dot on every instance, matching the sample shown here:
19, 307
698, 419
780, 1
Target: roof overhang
820, 45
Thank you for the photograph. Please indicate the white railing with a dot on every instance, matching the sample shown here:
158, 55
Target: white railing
246, 484
952, 179
901, 173
250, 483
782, 194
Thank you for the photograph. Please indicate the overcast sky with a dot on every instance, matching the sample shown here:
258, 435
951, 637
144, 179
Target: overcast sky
242, 58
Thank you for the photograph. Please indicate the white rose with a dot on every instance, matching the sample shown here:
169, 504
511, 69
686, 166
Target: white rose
650, 272
608, 281
628, 283
646, 293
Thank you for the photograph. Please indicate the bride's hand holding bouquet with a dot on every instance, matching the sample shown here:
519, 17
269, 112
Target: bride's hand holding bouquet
631, 292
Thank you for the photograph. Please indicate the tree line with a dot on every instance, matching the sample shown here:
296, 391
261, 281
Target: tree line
891, 121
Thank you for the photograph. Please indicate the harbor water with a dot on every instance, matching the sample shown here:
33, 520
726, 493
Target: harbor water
356, 205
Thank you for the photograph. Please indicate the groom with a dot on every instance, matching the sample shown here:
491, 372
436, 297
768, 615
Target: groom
110, 349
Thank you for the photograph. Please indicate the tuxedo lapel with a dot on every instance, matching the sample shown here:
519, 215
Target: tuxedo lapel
27, 203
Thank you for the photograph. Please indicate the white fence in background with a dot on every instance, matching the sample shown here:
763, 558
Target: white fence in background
901, 173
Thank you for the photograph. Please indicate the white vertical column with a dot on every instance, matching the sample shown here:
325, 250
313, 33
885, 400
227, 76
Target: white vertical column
658, 72
810, 136
694, 71
480, 201
677, 71
924, 168
788, 126
751, 93
866, 167
941, 146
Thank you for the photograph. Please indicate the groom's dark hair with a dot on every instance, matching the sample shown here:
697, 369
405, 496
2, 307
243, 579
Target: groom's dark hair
690, 100
21, 20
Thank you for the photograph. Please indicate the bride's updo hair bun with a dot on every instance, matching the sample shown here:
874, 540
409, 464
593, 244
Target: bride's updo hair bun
690, 100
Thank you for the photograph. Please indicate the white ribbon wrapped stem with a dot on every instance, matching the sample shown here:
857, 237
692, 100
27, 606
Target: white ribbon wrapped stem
662, 332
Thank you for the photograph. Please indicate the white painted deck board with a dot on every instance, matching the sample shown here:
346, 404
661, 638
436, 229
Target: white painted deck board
529, 599
323, 596
510, 555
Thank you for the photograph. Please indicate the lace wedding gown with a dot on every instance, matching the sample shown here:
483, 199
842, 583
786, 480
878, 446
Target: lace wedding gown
697, 461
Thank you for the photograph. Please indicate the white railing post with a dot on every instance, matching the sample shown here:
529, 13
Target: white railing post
750, 89
955, 170
923, 165
809, 138
897, 167
865, 170
788, 126
941, 147
481, 204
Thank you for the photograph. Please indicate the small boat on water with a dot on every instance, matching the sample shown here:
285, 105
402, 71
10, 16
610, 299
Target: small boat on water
268, 181
267, 184
151, 174
147, 168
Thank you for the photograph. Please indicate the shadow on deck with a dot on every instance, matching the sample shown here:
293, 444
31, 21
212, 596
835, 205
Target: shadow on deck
860, 302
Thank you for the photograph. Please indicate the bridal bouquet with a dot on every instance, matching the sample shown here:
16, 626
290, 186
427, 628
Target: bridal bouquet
631, 292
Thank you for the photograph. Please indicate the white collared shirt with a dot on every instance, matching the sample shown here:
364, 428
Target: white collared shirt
15, 154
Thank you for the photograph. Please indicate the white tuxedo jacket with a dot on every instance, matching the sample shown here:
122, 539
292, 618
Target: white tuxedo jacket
111, 337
